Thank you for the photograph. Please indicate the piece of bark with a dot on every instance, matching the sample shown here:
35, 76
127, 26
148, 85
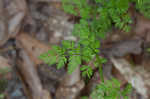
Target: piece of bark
3, 24
122, 48
137, 76
70, 86
50, 76
142, 25
16, 12
51, 72
34, 47
107, 70
30, 78
13, 13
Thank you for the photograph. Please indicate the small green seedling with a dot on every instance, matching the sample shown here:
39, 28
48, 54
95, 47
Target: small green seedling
97, 18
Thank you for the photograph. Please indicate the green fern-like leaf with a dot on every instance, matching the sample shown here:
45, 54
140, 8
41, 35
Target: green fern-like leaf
110, 90
74, 62
86, 71
144, 7
61, 62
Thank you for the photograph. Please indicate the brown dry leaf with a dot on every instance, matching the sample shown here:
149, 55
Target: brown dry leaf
34, 47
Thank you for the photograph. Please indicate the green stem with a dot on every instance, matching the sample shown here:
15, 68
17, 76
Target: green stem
100, 68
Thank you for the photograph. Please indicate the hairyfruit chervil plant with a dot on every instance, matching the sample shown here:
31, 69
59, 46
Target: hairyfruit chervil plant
97, 18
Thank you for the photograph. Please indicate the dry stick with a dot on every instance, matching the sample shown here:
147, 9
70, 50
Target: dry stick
137, 76
30, 76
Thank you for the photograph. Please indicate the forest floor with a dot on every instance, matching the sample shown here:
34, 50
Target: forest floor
28, 28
